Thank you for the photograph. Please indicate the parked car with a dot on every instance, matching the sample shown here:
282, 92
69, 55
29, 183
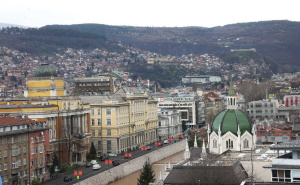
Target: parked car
112, 155
166, 141
149, 147
96, 166
88, 164
94, 162
103, 158
115, 163
67, 178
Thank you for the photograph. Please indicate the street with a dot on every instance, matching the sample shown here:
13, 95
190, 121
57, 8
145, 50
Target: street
89, 172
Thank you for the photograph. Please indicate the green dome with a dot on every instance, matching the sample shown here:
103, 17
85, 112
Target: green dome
229, 120
45, 70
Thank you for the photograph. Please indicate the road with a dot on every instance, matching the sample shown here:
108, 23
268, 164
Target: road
89, 172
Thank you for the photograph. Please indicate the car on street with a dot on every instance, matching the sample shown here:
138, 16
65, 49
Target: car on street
88, 164
96, 166
166, 141
115, 163
94, 162
67, 178
112, 155
149, 147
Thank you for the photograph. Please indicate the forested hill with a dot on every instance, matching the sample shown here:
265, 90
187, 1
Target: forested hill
49, 40
278, 40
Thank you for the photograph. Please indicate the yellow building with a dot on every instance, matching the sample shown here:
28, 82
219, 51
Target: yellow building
45, 101
122, 121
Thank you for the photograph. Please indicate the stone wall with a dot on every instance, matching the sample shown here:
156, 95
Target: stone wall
133, 165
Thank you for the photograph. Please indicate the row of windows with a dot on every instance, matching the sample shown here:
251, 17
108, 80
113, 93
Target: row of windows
41, 148
15, 164
108, 112
37, 139
14, 139
229, 143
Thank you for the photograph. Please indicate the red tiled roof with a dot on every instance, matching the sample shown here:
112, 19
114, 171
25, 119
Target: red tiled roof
13, 121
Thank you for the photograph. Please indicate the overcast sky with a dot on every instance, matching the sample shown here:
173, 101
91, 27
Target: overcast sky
206, 13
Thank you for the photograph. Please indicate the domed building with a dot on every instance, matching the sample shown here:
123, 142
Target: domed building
231, 129
44, 83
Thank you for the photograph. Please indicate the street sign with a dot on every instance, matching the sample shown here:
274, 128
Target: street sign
142, 148
110, 161
80, 173
155, 143
126, 155
75, 173
106, 161
130, 155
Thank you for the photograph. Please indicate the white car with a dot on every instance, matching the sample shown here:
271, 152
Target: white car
94, 162
96, 166
166, 141
112, 155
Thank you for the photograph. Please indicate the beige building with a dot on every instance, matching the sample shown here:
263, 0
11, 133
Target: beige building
122, 121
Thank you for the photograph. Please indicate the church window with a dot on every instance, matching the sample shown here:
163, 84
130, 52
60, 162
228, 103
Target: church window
246, 143
214, 143
229, 144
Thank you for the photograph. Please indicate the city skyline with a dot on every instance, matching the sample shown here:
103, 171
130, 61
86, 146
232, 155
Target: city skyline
135, 13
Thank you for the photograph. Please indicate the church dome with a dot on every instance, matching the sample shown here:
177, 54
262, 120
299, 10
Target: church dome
45, 70
229, 119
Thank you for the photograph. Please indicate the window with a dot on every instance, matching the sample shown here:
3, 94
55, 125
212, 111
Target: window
93, 122
246, 143
99, 122
108, 111
13, 164
32, 162
19, 163
99, 145
229, 144
24, 172
5, 166
43, 171
108, 132
285, 175
99, 132
93, 113
37, 139
41, 149
12, 139
41, 161
214, 143
93, 132
32, 150
108, 121
24, 149
32, 140
0, 154
32, 173
99, 111
5, 178
5, 153
43, 138
24, 161
108, 145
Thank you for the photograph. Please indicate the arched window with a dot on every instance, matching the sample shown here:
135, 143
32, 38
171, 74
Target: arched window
214, 143
229, 144
246, 143
230, 101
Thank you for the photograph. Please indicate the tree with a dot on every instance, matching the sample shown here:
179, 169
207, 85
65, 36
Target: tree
55, 163
34, 182
70, 131
93, 153
147, 174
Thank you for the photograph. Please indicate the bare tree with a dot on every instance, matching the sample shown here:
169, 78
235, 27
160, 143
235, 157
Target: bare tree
70, 136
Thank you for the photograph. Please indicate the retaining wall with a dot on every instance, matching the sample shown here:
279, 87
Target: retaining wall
133, 165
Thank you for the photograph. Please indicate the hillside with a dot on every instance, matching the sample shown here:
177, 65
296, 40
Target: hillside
50, 40
277, 40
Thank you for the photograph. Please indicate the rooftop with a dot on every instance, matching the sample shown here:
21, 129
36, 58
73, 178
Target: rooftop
287, 145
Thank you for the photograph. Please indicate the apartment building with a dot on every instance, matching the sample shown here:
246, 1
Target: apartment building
122, 121
262, 109
14, 157
169, 124
100, 85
